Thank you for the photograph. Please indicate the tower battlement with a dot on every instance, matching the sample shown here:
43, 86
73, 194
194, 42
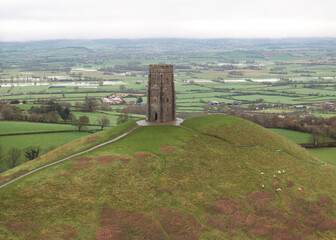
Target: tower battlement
161, 68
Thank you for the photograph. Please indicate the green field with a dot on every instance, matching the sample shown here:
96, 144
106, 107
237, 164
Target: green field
325, 115
27, 127
203, 181
327, 155
295, 136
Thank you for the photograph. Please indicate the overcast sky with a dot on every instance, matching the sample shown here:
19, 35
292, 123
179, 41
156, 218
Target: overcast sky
23, 20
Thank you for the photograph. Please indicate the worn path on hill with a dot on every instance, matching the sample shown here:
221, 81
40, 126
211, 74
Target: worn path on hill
67, 158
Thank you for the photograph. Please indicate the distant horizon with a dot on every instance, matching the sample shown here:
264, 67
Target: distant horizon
169, 38
34, 20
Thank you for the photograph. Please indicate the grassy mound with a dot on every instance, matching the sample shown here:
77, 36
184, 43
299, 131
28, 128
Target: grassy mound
216, 177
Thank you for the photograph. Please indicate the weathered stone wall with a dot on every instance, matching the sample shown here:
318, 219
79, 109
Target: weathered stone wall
161, 93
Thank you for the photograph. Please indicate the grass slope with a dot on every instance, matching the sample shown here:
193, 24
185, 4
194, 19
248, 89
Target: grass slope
203, 181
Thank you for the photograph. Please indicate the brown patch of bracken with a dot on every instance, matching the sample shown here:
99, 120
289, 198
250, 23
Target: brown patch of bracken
82, 162
170, 165
120, 224
166, 148
229, 215
180, 226
62, 174
92, 139
226, 206
21, 226
3, 178
290, 184
125, 159
70, 234
141, 155
18, 173
106, 159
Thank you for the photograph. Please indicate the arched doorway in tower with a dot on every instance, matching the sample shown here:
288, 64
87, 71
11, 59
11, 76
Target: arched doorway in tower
155, 116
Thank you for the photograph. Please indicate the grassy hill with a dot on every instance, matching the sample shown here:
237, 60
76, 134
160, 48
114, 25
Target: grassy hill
216, 177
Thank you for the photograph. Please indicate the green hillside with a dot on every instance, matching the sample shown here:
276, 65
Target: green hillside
215, 177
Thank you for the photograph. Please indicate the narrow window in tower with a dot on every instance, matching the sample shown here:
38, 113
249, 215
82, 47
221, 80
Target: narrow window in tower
167, 109
167, 99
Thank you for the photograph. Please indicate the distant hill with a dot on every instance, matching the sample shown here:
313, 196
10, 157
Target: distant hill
215, 177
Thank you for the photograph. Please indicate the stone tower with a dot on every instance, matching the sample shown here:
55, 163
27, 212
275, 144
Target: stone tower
161, 93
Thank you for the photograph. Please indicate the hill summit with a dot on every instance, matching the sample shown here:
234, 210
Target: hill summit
214, 177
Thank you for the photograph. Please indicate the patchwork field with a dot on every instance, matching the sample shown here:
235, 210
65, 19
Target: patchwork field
268, 70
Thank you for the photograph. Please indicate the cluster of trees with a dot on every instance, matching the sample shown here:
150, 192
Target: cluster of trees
90, 104
236, 73
136, 109
123, 118
130, 66
16, 101
49, 112
83, 121
215, 108
11, 159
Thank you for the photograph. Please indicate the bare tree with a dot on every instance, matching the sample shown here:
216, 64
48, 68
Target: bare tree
317, 137
90, 104
122, 118
81, 122
103, 122
13, 157
8, 113
31, 152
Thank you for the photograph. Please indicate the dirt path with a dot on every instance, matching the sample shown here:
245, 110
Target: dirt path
67, 158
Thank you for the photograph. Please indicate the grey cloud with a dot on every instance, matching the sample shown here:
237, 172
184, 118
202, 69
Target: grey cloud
42, 19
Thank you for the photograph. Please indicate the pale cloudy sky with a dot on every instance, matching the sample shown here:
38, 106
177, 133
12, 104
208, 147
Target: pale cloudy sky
22, 20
